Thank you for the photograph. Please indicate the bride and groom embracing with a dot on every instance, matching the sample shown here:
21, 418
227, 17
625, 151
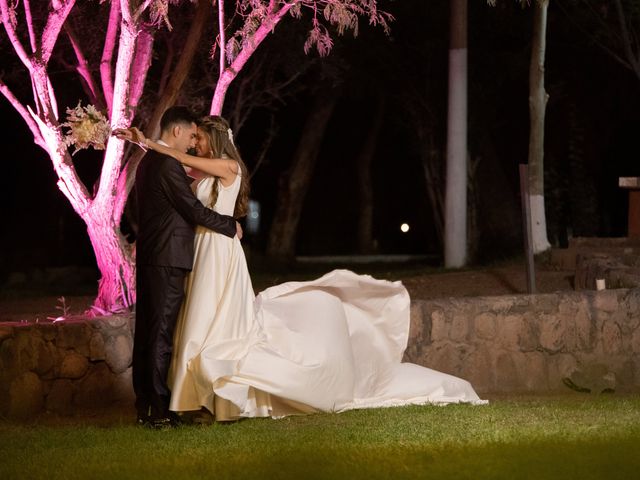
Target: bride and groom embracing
203, 340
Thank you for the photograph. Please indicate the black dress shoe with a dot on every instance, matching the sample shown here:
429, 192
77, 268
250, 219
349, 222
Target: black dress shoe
142, 420
168, 420
163, 423
143, 414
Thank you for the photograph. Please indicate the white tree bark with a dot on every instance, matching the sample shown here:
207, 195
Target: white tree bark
537, 105
455, 228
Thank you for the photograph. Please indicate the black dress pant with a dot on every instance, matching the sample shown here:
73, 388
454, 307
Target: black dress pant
160, 291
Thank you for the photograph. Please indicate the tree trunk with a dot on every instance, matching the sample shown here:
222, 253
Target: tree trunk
116, 288
537, 104
294, 186
432, 167
583, 198
455, 218
364, 160
473, 203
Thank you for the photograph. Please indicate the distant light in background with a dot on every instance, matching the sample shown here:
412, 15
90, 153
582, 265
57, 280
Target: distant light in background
253, 218
404, 227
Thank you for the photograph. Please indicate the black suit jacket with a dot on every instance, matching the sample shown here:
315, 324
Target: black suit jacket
168, 212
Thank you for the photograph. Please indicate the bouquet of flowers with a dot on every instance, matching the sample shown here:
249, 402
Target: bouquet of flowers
87, 127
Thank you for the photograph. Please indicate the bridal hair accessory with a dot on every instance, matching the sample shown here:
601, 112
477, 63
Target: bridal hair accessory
87, 127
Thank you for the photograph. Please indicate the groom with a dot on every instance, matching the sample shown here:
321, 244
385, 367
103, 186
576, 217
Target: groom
167, 214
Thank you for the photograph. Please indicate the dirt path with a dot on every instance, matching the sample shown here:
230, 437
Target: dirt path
503, 279
500, 280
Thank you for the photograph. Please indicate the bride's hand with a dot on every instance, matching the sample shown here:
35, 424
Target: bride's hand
132, 135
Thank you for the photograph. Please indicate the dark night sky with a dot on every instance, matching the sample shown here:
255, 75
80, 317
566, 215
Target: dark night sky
42, 230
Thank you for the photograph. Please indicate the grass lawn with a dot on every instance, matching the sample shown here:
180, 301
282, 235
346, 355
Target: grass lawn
569, 437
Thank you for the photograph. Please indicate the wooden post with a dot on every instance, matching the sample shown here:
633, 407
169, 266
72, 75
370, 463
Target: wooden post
526, 227
633, 219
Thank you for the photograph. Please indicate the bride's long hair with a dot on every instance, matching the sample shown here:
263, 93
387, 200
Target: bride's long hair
222, 146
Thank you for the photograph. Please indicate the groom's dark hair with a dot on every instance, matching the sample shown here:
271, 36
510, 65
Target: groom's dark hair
176, 115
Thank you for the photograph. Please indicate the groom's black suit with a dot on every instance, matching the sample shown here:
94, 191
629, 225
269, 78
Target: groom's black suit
167, 214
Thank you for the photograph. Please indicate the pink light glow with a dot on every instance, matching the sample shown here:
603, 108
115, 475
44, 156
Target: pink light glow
120, 87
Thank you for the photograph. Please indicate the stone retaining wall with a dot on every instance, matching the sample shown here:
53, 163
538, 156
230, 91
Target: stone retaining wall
64, 367
588, 340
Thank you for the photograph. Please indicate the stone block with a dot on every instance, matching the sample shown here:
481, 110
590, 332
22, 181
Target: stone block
18, 354
560, 366
507, 374
545, 304
96, 388
459, 328
552, 332
510, 329
46, 357
73, 365
49, 331
486, 325
123, 387
420, 325
630, 303
116, 321
635, 343
444, 357
592, 378
611, 338
585, 332
567, 307
502, 304
97, 347
26, 397
479, 369
118, 353
606, 301
528, 339
60, 398
74, 334
536, 375
439, 326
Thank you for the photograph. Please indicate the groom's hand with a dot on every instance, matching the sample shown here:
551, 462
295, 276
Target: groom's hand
238, 231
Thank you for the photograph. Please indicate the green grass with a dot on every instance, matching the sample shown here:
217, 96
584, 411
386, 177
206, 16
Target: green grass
583, 437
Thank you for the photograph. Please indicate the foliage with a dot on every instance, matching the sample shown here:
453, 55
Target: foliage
341, 14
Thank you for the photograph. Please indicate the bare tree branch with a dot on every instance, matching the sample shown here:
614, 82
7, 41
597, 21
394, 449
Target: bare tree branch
248, 49
141, 64
272, 131
29, 19
83, 67
26, 116
52, 29
13, 37
106, 74
626, 39
221, 36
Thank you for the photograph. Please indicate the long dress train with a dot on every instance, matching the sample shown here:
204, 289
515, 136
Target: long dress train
331, 344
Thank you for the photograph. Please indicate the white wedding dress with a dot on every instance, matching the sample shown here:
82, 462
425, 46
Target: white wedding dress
332, 344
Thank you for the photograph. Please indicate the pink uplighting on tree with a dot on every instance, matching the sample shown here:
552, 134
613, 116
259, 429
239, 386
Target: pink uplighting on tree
127, 53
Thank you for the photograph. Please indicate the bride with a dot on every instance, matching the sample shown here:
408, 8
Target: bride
331, 344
